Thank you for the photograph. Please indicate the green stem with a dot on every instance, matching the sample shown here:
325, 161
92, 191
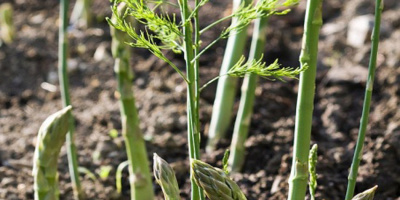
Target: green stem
305, 101
64, 87
226, 89
367, 102
245, 111
140, 175
192, 93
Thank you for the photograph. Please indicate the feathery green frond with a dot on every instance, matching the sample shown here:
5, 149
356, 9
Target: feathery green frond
260, 68
165, 177
263, 8
215, 182
163, 27
142, 40
50, 139
312, 162
366, 195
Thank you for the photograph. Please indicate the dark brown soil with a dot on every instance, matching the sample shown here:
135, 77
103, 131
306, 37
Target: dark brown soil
32, 59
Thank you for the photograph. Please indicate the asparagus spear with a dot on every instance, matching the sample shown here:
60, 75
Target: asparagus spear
215, 182
165, 177
50, 139
366, 195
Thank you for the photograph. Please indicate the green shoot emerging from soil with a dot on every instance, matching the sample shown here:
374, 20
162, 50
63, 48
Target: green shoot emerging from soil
50, 139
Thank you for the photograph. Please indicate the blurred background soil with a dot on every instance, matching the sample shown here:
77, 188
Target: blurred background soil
28, 75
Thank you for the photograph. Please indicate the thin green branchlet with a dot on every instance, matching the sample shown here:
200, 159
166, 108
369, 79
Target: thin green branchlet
51, 137
367, 103
64, 89
312, 170
305, 101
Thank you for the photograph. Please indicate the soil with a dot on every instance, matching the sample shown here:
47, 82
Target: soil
27, 96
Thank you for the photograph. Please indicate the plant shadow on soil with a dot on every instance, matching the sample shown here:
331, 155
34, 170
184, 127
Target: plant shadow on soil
32, 60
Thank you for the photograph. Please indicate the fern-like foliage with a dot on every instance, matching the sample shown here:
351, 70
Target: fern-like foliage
263, 8
274, 70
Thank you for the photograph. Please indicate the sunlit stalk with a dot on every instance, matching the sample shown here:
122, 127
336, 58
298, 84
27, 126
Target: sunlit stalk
226, 89
139, 172
50, 139
367, 102
305, 101
64, 87
245, 111
192, 93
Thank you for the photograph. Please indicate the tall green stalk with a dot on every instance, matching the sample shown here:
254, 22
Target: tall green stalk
226, 89
192, 70
367, 102
139, 172
245, 111
305, 101
64, 87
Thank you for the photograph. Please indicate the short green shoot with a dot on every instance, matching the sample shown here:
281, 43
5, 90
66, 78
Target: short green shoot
312, 170
118, 175
104, 172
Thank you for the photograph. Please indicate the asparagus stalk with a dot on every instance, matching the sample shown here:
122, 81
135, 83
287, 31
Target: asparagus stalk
245, 111
215, 182
226, 89
367, 102
305, 101
140, 176
366, 195
50, 139
81, 13
165, 177
64, 87
192, 70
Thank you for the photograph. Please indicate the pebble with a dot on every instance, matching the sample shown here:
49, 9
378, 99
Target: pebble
359, 29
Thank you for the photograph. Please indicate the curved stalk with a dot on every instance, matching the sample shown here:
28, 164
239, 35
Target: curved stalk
51, 138
139, 172
64, 87
305, 101
226, 89
245, 111
367, 102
